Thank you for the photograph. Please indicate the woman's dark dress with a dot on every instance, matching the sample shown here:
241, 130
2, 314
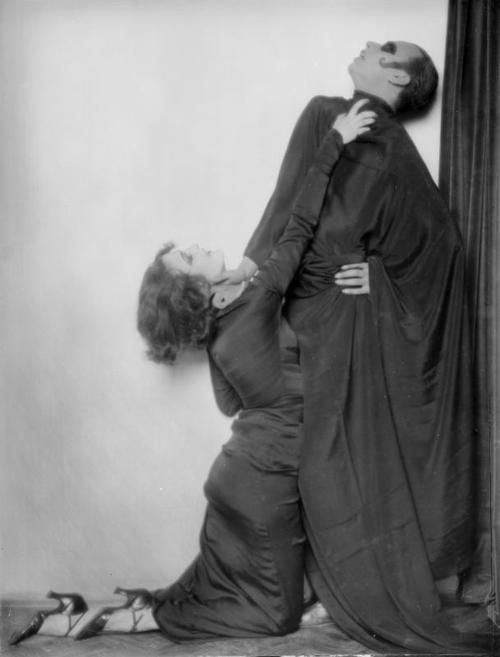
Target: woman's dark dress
248, 577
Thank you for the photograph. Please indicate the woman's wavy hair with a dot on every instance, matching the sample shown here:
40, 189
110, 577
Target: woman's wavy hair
174, 311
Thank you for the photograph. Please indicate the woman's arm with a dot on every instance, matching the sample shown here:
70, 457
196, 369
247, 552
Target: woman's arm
226, 396
285, 258
309, 200
304, 141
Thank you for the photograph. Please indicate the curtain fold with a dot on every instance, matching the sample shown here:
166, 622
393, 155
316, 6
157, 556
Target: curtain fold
469, 180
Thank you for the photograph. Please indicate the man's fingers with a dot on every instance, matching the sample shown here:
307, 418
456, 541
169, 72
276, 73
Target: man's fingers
350, 281
351, 273
352, 270
353, 278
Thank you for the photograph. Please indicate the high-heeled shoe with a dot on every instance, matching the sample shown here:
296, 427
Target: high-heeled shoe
95, 624
70, 604
32, 628
136, 600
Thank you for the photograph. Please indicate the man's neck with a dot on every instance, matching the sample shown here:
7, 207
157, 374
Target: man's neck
376, 101
388, 99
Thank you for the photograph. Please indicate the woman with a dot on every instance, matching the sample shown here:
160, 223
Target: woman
248, 578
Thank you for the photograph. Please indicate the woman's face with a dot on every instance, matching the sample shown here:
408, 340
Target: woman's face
197, 262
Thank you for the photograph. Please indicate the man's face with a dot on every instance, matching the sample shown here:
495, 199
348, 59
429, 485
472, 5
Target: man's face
373, 65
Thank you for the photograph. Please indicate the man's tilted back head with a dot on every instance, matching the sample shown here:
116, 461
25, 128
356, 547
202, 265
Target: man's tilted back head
399, 72
421, 89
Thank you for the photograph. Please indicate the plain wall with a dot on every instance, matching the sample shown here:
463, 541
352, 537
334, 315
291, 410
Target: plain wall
124, 125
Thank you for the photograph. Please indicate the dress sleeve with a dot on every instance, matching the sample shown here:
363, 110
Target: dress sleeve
281, 266
298, 157
245, 362
228, 400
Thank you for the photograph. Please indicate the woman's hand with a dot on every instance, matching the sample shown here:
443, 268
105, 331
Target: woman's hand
354, 123
354, 279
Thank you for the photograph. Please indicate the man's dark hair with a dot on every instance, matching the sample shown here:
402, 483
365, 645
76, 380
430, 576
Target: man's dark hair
420, 91
174, 310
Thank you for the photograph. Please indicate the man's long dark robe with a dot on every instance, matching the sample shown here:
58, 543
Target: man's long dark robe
387, 465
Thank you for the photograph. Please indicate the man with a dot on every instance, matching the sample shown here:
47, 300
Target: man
378, 308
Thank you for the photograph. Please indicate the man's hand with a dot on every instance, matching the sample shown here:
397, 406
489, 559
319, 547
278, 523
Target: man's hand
354, 123
354, 279
243, 272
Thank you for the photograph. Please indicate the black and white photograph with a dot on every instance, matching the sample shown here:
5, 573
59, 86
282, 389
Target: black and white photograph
250, 335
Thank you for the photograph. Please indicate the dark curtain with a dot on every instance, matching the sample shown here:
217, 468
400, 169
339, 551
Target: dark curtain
469, 180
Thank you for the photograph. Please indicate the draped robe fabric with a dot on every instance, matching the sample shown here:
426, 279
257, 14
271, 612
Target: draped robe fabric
387, 457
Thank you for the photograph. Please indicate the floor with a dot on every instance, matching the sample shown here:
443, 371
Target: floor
321, 640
